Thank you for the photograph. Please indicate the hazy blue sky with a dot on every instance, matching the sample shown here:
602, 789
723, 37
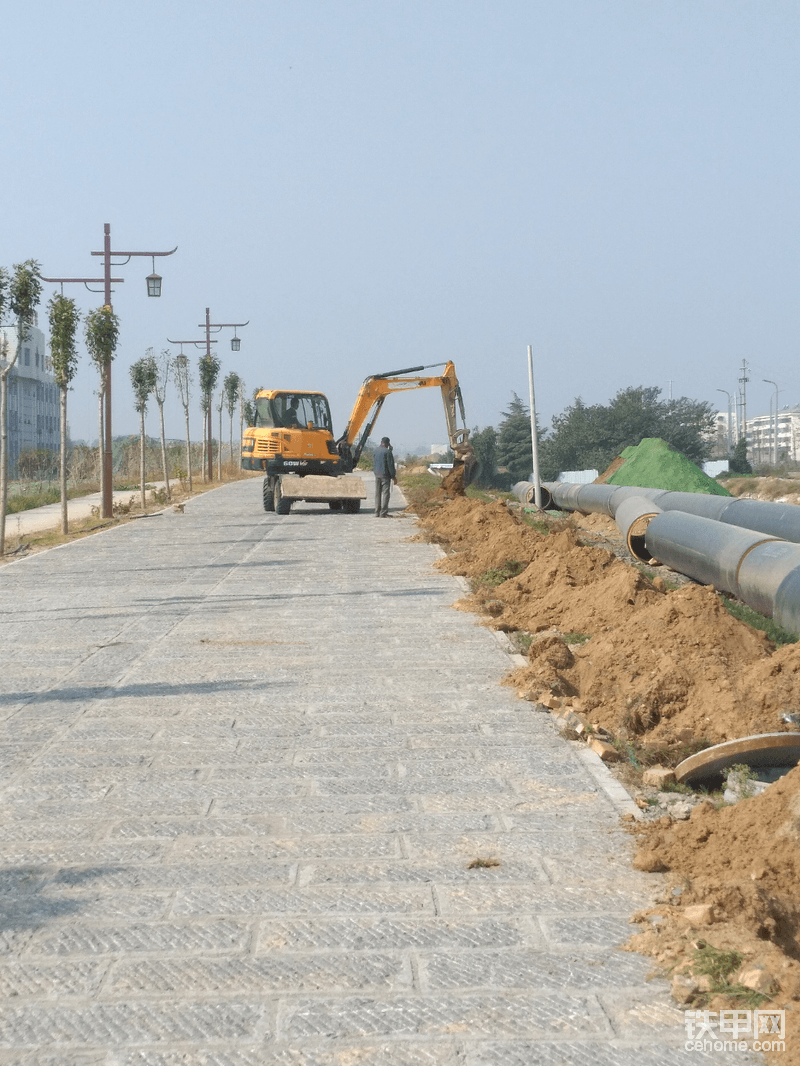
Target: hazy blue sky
380, 183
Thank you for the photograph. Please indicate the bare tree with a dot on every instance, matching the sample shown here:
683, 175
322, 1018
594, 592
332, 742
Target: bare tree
64, 317
24, 293
163, 364
143, 378
180, 371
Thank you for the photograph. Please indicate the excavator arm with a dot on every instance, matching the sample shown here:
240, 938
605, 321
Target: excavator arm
372, 396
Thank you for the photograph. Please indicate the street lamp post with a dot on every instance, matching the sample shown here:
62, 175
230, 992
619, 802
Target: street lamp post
729, 433
775, 437
153, 289
236, 344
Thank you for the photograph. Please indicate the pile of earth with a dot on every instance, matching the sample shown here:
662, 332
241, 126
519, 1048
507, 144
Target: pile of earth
653, 464
739, 870
664, 670
664, 667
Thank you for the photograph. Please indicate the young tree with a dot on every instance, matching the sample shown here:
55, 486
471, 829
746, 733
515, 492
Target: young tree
209, 372
230, 389
144, 374
163, 363
181, 373
220, 406
24, 293
102, 333
242, 401
63, 317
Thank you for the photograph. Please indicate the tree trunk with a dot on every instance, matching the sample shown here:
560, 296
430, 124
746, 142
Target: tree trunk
230, 456
164, 450
219, 447
142, 460
188, 448
101, 436
3, 455
205, 443
63, 462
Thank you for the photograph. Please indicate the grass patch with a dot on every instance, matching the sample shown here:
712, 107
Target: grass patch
576, 638
719, 966
419, 488
487, 495
497, 575
758, 621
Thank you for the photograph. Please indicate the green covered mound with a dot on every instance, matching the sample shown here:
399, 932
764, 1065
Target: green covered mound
654, 465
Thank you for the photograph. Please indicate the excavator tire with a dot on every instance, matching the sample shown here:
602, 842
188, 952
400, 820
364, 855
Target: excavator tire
267, 494
351, 506
282, 506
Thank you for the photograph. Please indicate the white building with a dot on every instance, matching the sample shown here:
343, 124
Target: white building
760, 435
33, 401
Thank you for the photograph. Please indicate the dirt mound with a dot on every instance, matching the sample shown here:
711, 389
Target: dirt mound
652, 464
674, 666
743, 864
665, 671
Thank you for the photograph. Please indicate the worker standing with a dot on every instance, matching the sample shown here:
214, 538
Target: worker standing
385, 477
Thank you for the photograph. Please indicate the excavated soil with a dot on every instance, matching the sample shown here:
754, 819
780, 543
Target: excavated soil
664, 668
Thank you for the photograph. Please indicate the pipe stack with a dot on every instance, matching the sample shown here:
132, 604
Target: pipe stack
748, 548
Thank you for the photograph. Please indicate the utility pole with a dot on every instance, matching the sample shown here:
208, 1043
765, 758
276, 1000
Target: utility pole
537, 484
743, 394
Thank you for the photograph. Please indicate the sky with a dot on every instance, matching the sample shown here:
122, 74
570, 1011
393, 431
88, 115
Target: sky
377, 184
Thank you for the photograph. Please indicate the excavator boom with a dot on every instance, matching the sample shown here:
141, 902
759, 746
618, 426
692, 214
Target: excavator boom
372, 396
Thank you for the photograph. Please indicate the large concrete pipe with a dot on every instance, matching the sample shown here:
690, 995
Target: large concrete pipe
775, 519
633, 516
762, 571
525, 491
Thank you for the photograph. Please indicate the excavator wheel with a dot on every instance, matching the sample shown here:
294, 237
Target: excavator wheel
267, 494
282, 506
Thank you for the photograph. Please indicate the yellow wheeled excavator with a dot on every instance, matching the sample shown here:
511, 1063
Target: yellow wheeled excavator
292, 440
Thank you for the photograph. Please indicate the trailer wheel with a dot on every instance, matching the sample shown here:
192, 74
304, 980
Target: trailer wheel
282, 505
335, 505
267, 494
351, 506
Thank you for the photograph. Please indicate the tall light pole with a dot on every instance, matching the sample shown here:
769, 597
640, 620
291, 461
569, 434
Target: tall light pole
775, 438
153, 289
729, 433
236, 344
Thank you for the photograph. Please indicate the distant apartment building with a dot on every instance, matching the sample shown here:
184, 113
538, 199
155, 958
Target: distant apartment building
761, 434
33, 401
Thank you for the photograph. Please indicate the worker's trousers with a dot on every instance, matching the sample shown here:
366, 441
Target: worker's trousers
383, 487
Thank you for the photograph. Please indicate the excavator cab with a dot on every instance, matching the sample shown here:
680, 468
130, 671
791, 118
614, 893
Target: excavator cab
293, 410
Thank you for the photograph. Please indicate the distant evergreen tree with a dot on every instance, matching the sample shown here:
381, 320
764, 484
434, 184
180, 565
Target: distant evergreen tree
514, 450
738, 462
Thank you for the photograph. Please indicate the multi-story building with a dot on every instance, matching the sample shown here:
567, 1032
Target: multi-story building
33, 401
761, 433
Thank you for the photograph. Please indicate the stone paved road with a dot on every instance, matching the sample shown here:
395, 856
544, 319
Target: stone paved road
247, 764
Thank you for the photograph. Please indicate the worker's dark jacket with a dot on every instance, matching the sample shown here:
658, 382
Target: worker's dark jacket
384, 462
